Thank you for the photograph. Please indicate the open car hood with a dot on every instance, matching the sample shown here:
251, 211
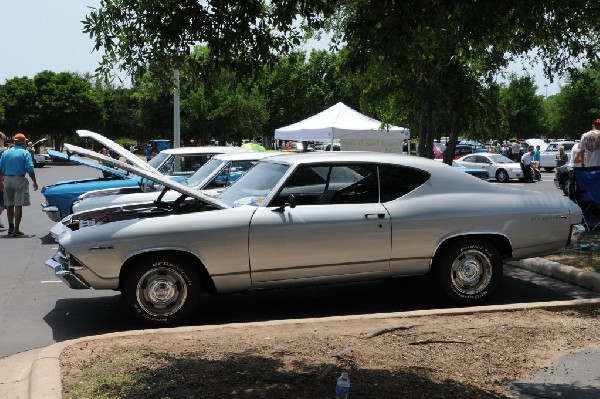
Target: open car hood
81, 161
111, 145
149, 174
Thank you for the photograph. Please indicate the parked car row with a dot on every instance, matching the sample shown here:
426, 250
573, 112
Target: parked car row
177, 163
305, 219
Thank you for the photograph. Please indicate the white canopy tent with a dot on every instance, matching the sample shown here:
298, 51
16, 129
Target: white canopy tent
341, 122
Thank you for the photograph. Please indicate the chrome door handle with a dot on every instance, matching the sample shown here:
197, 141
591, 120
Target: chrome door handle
374, 215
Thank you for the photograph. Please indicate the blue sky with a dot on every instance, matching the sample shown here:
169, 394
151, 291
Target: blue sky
38, 35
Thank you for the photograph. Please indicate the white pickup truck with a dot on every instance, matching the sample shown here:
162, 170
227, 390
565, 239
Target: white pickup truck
548, 156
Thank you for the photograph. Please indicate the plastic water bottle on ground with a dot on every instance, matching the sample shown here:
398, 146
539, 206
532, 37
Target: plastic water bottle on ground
342, 388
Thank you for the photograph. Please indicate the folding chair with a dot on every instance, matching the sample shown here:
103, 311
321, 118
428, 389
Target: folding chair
585, 192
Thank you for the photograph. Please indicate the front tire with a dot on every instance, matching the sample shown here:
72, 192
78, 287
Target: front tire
502, 176
161, 291
469, 270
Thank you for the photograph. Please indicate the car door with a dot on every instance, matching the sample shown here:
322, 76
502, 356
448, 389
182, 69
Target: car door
477, 162
338, 230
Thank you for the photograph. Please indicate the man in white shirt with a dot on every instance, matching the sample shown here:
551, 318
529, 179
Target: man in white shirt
590, 144
526, 165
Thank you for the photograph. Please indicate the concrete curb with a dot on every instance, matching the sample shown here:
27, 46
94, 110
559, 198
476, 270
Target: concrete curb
38, 376
570, 274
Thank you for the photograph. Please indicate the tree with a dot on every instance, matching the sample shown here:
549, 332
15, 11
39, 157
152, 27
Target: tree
434, 46
65, 103
578, 103
240, 35
18, 97
296, 87
522, 108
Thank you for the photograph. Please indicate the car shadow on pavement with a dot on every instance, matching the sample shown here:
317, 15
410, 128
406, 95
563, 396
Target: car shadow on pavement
48, 240
81, 317
78, 317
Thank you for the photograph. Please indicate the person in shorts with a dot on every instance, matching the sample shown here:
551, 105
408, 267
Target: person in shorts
15, 163
2, 207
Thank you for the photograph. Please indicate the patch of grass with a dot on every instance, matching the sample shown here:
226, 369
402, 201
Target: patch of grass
586, 258
110, 375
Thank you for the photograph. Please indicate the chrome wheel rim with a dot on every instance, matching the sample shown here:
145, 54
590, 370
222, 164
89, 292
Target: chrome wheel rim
161, 292
471, 272
502, 176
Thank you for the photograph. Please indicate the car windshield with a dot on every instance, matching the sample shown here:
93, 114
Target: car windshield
158, 160
201, 174
497, 158
255, 186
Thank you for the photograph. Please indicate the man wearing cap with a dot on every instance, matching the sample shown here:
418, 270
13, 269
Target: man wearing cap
590, 144
14, 164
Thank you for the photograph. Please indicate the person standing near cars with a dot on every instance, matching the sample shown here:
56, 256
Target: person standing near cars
14, 164
537, 155
526, 165
2, 140
516, 150
590, 144
561, 158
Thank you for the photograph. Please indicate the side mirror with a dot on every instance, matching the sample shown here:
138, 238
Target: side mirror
292, 200
291, 203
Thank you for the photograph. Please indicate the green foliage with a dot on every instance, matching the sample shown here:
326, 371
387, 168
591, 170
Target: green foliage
522, 108
51, 104
240, 35
578, 103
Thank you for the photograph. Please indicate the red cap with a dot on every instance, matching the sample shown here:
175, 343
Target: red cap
20, 137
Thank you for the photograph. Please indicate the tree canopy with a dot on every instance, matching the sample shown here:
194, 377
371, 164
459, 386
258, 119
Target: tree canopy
432, 60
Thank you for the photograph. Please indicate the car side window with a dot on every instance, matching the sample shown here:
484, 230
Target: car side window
397, 181
471, 158
481, 159
331, 184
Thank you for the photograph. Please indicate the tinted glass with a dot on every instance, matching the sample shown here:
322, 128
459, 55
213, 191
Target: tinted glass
397, 181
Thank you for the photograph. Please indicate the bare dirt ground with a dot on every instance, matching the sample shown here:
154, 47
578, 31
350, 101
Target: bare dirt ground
457, 356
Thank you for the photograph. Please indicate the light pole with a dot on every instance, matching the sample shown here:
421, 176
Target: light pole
176, 121
546, 86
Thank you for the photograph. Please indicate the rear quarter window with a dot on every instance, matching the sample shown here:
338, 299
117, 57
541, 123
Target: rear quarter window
397, 181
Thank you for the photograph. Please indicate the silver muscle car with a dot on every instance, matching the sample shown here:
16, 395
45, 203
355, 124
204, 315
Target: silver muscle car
332, 216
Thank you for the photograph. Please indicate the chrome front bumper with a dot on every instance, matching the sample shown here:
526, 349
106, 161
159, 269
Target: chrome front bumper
60, 265
53, 212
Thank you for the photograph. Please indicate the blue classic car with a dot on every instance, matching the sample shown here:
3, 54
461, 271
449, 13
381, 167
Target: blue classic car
177, 163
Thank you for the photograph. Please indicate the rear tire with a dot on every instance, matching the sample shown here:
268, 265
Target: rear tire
469, 270
502, 176
548, 169
161, 291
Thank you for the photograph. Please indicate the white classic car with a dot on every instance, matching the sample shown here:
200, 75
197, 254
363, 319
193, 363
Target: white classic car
332, 216
498, 166
216, 174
